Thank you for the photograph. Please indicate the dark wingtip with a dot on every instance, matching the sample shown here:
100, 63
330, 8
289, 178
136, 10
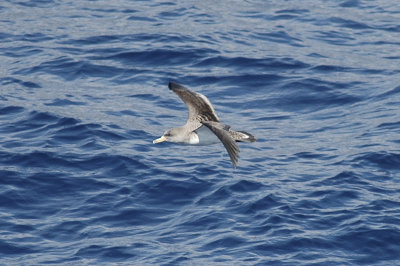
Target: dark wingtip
234, 165
250, 138
170, 85
175, 86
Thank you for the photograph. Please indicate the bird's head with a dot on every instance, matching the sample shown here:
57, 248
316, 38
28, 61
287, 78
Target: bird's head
171, 135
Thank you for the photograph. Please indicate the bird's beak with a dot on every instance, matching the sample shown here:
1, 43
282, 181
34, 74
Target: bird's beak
162, 139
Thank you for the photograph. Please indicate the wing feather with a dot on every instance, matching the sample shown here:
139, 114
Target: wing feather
230, 144
200, 108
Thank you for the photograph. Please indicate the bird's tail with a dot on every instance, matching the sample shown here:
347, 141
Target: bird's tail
242, 136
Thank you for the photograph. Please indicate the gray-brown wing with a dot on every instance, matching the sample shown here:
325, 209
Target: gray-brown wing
230, 144
200, 108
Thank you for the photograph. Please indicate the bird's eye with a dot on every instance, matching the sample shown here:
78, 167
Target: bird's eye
167, 134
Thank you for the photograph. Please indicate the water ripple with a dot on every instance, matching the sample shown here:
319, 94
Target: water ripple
84, 93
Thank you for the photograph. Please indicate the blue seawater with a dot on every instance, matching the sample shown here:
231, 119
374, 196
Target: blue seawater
84, 92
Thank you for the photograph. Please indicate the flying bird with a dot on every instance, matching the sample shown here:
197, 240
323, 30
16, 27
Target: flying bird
203, 126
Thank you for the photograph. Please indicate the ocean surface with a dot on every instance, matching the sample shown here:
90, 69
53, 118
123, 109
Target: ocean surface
84, 92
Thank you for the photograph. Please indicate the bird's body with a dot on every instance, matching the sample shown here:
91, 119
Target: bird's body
203, 126
205, 136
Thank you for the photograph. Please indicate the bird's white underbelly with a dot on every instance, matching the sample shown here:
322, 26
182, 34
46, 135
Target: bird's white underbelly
204, 136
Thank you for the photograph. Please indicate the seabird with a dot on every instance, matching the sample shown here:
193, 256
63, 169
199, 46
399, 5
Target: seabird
203, 126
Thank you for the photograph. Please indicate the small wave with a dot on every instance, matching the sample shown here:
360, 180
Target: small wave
370, 244
7, 248
161, 57
64, 102
106, 253
9, 110
26, 84
272, 64
384, 160
77, 69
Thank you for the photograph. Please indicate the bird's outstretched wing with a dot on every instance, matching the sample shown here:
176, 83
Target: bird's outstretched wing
220, 130
200, 108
